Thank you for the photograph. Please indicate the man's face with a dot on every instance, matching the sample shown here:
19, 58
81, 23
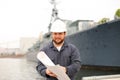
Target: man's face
58, 37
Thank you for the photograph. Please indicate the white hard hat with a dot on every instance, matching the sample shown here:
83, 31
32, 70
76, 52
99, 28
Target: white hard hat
58, 26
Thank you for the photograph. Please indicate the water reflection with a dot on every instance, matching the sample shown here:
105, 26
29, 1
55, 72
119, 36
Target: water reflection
18, 69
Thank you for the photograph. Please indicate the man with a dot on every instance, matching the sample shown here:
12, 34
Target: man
60, 52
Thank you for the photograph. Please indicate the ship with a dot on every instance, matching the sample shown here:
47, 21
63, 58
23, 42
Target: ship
98, 46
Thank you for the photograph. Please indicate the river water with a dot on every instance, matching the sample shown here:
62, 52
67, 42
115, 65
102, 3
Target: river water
23, 69
18, 69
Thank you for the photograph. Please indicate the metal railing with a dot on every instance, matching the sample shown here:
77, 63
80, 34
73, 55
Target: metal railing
105, 77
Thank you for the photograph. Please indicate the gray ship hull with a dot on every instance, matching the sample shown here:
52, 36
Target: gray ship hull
99, 46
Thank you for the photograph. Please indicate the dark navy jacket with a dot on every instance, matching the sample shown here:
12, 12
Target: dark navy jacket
68, 57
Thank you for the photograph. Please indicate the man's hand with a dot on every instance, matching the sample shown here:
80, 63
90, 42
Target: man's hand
48, 72
63, 68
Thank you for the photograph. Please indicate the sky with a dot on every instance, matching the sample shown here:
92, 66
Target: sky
28, 18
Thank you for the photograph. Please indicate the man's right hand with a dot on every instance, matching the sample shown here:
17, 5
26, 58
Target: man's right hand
48, 72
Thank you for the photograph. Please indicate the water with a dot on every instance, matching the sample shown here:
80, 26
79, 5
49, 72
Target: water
18, 69
22, 69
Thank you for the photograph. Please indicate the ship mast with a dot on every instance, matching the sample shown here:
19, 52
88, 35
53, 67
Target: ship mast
54, 14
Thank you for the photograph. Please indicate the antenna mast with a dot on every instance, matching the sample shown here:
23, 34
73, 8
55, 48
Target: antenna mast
54, 15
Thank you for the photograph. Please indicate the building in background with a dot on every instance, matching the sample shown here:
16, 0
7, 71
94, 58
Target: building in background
26, 43
9, 51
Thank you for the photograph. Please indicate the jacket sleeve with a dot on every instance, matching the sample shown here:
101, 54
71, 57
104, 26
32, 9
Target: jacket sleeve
41, 69
75, 65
